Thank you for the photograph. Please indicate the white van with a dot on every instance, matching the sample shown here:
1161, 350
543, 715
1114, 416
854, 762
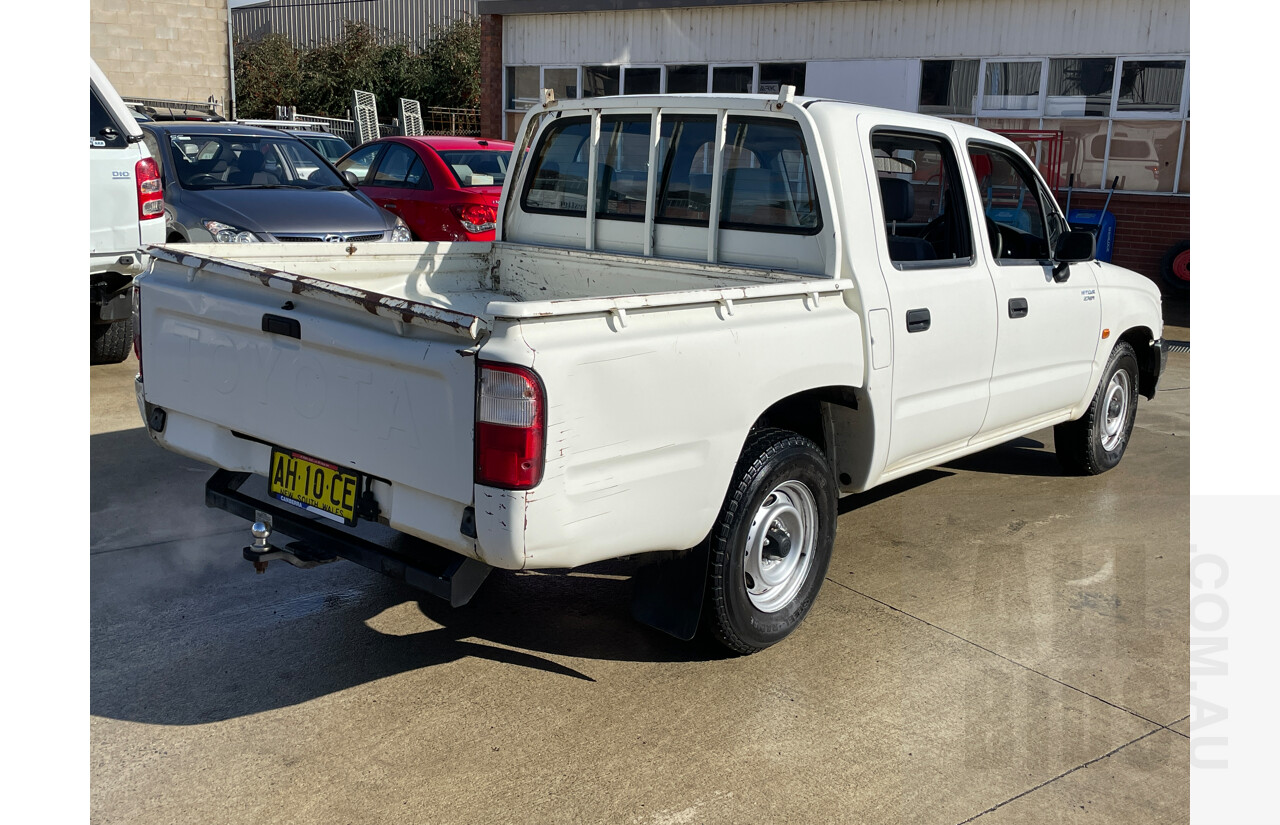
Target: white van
126, 212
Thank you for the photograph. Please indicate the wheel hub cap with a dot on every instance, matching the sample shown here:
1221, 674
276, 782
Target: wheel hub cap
780, 546
1117, 411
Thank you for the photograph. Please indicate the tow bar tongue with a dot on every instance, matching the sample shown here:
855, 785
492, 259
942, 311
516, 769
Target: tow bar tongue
296, 553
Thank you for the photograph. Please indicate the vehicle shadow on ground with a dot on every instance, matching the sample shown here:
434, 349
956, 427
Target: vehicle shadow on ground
1020, 457
218, 667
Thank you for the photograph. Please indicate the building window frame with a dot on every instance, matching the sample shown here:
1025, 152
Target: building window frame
1184, 101
980, 109
662, 75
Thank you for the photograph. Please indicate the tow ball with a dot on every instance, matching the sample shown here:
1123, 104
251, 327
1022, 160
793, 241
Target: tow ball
260, 551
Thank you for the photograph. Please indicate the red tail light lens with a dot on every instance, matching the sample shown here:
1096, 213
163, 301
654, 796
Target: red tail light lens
510, 427
150, 192
137, 328
476, 217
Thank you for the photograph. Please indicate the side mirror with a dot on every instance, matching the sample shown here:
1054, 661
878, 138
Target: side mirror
351, 178
1073, 247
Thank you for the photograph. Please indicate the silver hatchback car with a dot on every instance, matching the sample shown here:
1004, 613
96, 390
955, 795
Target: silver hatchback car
227, 183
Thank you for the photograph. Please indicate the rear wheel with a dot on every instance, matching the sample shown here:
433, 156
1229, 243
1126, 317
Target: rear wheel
1096, 442
772, 542
110, 343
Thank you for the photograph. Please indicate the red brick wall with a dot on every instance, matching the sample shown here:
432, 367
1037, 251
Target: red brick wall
1146, 226
491, 75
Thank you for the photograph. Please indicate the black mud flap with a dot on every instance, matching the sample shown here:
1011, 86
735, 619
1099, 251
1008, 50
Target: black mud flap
438, 571
668, 591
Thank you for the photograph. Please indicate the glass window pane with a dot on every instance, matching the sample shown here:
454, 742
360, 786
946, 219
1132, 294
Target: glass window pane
397, 167
1151, 85
359, 161
598, 81
1080, 87
733, 80
686, 79
622, 172
564, 82
99, 120
1184, 179
923, 202
522, 87
558, 177
643, 81
1011, 86
948, 87
773, 76
1083, 145
1011, 200
685, 193
1143, 154
768, 180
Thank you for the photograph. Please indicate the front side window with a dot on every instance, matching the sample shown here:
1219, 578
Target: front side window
1013, 203
361, 161
925, 216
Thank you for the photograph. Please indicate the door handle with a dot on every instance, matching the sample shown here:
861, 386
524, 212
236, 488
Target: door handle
1017, 307
390, 205
917, 320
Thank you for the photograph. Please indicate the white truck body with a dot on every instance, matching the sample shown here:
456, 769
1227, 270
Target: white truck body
660, 345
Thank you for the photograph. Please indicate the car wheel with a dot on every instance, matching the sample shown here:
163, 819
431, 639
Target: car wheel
771, 543
1175, 267
1096, 442
110, 343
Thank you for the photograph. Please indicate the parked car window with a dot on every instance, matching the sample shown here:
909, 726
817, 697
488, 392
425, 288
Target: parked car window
478, 167
331, 146
243, 161
361, 161
399, 167
558, 177
1014, 202
104, 132
922, 199
684, 189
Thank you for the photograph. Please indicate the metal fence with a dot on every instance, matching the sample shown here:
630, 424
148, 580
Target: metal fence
212, 106
436, 120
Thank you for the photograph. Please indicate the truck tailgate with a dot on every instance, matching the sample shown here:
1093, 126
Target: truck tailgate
365, 381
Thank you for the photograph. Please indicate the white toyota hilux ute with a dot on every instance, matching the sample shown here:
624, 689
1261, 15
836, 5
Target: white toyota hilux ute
126, 212
705, 319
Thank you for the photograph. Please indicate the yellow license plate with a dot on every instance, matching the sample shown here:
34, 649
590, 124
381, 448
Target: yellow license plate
314, 485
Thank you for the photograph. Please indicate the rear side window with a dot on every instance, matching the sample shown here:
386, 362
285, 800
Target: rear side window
557, 182
104, 132
925, 217
400, 167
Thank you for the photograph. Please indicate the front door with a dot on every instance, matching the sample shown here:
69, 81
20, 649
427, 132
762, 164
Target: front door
1048, 329
942, 304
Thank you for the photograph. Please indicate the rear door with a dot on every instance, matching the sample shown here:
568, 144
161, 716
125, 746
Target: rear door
400, 184
942, 304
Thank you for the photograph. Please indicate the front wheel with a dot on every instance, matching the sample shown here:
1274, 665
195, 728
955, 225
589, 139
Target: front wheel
771, 544
1096, 442
110, 343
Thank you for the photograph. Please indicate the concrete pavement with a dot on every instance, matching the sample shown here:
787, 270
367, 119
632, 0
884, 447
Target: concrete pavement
995, 643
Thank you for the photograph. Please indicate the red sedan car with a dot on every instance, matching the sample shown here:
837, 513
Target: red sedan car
445, 188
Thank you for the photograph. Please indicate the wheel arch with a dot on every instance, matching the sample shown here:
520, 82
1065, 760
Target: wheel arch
1141, 338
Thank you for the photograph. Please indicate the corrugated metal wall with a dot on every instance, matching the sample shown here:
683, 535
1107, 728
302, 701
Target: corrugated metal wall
859, 29
310, 22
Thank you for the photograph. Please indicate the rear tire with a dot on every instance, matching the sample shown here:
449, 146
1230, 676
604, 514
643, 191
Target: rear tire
110, 343
1096, 442
771, 544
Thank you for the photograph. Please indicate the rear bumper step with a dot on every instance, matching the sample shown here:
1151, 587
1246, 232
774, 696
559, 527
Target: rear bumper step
440, 572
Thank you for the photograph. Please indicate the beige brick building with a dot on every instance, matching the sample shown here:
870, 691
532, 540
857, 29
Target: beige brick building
163, 49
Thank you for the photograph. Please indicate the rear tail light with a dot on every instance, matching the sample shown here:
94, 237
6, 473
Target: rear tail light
150, 193
137, 328
476, 217
510, 427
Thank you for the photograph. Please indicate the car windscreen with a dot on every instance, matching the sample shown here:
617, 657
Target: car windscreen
477, 167
202, 161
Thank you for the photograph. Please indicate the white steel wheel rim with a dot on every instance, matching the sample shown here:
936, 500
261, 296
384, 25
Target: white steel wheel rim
780, 546
1115, 405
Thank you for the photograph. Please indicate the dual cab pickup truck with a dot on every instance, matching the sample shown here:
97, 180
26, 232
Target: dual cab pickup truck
705, 319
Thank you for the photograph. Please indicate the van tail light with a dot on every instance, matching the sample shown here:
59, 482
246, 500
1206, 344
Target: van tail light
511, 409
137, 328
476, 217
150, 192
